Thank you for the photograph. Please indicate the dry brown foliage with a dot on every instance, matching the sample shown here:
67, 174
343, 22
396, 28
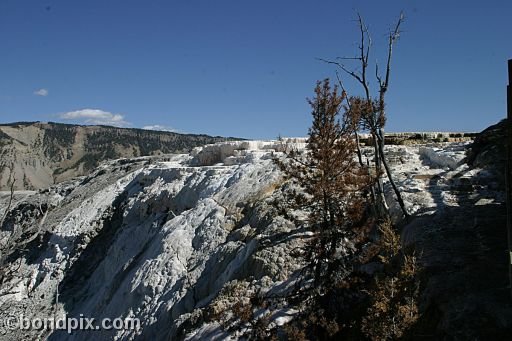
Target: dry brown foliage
333, 183
394, 308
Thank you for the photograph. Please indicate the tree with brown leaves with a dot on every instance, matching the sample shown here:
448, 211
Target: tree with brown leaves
330, 179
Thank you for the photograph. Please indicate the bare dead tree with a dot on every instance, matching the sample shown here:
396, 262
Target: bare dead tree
383, 88
372, 114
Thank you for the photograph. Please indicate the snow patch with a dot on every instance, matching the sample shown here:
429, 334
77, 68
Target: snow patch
449, 156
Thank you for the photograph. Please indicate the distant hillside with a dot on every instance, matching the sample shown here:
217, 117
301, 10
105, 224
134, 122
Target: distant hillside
46, 153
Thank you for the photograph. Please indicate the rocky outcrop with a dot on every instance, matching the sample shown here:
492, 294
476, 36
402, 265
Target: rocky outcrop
489, 150
151, 239
450, 156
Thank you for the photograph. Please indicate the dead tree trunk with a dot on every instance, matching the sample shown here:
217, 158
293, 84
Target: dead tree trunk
383, 85
509, 171
375, 120
391, 181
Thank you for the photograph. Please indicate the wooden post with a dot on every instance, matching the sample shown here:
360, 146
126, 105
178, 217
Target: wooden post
509, 172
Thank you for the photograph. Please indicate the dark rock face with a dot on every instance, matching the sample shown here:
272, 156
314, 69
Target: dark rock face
489, 149
465, 285
463, 252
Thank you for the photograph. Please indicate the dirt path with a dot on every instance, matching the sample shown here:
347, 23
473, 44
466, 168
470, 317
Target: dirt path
460, 236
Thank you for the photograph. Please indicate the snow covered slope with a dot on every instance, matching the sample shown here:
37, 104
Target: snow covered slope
146, 239
160, 238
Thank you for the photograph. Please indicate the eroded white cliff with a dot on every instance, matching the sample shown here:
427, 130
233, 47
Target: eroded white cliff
160, 238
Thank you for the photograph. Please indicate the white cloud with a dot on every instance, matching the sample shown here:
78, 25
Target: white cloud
41, 92
96, 116
159, 127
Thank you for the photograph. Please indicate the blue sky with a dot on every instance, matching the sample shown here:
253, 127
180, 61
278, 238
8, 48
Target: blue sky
245, 68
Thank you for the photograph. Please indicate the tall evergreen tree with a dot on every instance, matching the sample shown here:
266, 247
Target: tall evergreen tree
331, 180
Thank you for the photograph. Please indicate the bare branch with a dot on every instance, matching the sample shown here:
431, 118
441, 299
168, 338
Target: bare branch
348, 58
364, 49
379, 79
342, 67
393, 36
